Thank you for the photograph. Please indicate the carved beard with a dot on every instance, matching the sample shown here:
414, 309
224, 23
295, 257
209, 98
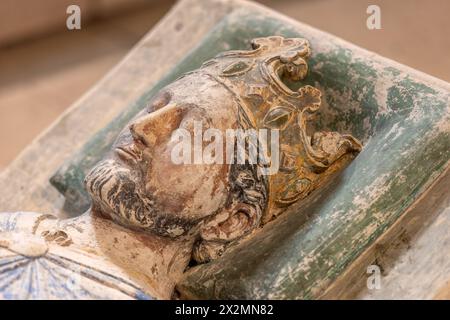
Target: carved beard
114, 191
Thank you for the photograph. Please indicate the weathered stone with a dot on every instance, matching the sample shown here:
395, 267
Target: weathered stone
404, 123
170, 212
401, 116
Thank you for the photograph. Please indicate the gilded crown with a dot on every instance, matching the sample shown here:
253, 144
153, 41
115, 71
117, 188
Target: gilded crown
256, 78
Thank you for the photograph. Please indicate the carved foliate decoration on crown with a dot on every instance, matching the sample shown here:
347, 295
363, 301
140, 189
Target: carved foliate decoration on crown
255, 77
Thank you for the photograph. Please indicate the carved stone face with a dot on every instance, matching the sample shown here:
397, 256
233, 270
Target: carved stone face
139, 186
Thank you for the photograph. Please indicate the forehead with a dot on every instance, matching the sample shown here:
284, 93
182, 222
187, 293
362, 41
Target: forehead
198, 98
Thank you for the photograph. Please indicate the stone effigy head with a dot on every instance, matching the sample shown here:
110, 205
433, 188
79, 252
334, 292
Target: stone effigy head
221, 151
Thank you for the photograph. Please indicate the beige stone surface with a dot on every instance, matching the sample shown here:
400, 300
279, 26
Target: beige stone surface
422, 268
444, 293
23, 19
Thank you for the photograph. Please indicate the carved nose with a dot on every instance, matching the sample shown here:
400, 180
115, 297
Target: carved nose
155, 127
142, 130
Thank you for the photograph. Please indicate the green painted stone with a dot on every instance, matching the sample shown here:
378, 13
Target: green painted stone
403, 120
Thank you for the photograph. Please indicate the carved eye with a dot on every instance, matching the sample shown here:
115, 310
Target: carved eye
278, 118
159, 101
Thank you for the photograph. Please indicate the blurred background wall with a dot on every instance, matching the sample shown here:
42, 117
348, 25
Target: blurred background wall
44, 67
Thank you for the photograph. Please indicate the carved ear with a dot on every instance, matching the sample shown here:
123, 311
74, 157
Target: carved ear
224, 228
231, 224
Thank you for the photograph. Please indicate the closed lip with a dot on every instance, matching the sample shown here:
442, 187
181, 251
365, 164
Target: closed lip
127, 154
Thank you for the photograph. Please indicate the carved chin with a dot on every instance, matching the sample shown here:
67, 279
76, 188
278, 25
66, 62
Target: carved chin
115, 191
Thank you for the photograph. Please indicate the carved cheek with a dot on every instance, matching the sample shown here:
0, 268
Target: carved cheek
192, 189
163, 175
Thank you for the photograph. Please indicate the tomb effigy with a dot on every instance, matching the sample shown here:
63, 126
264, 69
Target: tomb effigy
360, 140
